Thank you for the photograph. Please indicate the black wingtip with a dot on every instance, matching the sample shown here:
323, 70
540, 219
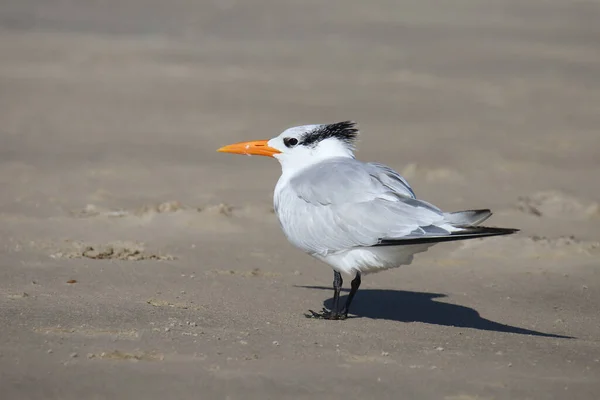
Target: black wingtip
469, 233
488, 231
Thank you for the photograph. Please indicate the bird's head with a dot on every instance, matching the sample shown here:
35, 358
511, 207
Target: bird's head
302, 146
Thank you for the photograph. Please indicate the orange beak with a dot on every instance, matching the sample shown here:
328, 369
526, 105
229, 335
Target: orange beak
257, 148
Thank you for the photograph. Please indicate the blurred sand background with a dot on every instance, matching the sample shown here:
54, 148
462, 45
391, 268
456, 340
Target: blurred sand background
185, 288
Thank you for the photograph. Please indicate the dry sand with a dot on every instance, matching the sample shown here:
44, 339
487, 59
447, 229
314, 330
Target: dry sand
181, 283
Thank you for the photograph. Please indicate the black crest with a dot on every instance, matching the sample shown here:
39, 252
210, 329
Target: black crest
345, 131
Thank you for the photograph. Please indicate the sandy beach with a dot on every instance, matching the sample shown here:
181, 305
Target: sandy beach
136, 262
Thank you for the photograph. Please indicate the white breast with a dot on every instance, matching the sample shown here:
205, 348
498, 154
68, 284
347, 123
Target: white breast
293, 214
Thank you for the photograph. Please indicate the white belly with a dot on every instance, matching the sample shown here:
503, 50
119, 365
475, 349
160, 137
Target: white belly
373, 259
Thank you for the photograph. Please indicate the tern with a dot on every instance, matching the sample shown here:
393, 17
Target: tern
357, 217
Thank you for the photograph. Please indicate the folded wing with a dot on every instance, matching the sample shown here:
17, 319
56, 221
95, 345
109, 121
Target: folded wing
343, 203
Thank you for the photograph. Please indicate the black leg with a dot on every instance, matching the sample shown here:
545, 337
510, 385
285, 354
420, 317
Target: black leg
353, 289
337, 287
334, 313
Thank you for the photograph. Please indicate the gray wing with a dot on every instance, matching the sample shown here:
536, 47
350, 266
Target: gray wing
391, 179
344, 203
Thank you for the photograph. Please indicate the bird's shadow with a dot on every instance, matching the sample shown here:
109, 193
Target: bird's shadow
405, 306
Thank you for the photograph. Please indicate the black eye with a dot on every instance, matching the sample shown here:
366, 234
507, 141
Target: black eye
290, 142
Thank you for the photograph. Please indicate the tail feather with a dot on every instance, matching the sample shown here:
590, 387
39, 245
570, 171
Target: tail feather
468, 232
467, 217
